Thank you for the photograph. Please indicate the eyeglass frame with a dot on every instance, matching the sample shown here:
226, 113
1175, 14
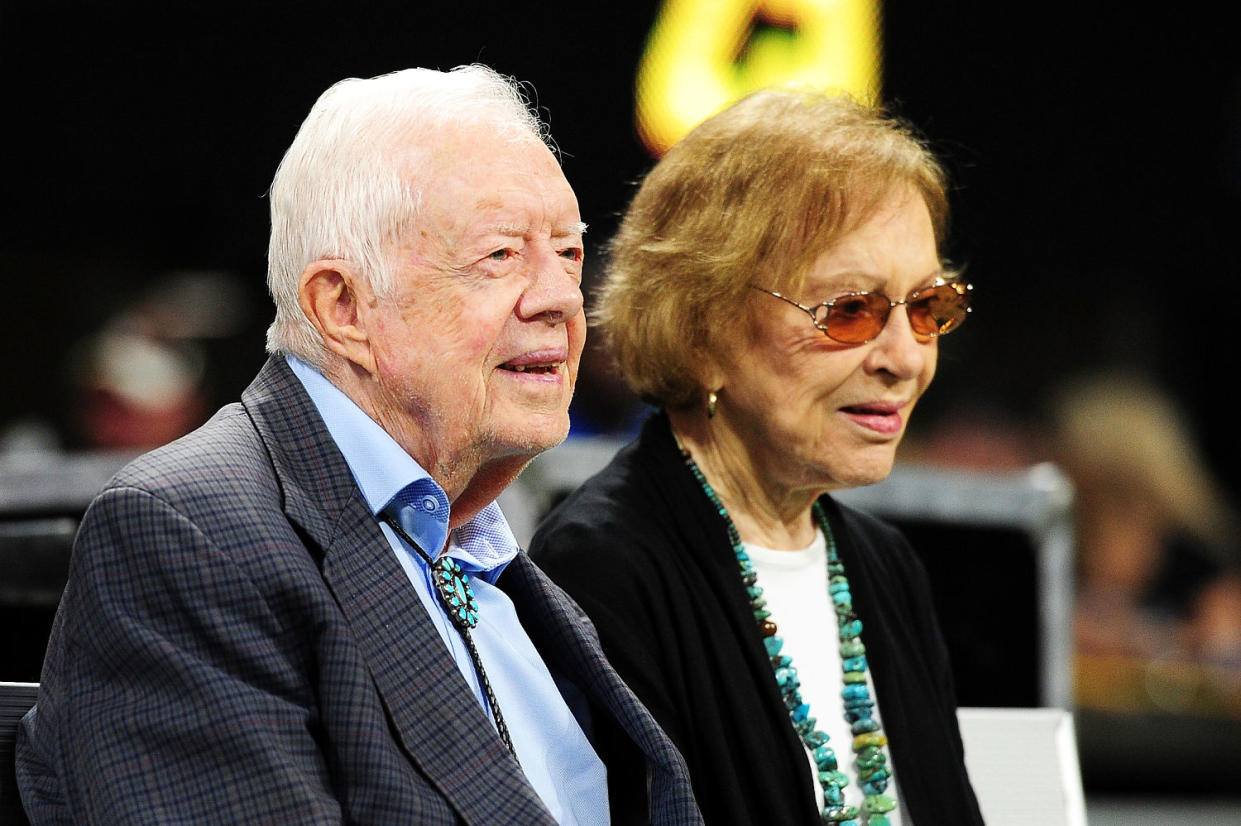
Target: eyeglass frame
962, 288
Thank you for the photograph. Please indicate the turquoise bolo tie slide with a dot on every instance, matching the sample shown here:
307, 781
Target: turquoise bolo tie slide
453, 585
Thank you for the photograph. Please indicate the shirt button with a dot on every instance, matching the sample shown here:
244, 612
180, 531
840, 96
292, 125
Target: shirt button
429, 504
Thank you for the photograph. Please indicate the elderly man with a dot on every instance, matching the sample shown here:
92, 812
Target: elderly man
311, 610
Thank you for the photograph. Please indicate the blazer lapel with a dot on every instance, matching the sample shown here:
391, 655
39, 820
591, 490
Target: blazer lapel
568, 642
434, 713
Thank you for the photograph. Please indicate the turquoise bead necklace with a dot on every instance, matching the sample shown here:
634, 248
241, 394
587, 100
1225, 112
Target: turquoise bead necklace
868, 738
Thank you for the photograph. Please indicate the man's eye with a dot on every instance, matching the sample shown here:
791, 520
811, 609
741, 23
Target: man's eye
572, 253
502, 254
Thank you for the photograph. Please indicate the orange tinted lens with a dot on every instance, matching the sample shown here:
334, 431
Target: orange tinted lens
939, 310
854, 319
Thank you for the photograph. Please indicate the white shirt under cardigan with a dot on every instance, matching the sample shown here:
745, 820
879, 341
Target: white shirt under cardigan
795, 586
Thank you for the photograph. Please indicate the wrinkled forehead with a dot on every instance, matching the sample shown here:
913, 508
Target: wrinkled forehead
471, 181
461, 148
859, 209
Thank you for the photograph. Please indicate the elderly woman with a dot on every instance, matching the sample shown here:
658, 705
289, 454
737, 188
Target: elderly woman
776, 289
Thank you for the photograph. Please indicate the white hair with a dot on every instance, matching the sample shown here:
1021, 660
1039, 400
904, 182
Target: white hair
342, 191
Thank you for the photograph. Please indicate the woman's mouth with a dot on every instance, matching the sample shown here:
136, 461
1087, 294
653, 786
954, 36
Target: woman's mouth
883, 418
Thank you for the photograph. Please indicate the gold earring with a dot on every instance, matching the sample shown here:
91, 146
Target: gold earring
712, 399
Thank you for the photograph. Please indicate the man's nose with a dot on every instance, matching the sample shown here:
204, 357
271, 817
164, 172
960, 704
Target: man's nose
555, 289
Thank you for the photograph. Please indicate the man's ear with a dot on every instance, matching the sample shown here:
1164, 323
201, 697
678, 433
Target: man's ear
334, 300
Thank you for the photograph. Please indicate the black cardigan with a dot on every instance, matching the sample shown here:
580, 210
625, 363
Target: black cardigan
647, 556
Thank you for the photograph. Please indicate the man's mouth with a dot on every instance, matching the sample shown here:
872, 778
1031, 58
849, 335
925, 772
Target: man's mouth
546, 367
539, 361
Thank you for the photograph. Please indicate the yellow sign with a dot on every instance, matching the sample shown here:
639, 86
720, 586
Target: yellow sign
704, 54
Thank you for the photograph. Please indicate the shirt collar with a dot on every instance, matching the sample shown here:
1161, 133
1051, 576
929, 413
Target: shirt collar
382, 469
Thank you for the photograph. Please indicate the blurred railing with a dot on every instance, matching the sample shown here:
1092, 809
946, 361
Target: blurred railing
1035, 503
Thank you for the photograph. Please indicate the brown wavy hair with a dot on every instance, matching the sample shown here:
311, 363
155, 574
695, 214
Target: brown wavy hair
755, 193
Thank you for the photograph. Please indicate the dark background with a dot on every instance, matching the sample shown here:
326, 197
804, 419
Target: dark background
1094, 149
1095, 152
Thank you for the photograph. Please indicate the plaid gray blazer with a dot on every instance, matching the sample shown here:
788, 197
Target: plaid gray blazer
238, 644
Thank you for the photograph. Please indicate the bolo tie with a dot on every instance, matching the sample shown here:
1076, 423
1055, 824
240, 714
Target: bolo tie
452, 586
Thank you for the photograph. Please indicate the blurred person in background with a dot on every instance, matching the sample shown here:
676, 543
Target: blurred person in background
136, 391
777, 291
148, 374
1158, 574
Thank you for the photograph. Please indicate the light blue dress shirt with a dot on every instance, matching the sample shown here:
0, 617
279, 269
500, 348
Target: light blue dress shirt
553, 751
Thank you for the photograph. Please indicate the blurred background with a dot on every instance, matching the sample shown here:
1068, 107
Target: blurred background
1095, 154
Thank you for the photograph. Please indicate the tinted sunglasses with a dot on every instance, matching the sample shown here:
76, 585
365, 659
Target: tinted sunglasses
856, 318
